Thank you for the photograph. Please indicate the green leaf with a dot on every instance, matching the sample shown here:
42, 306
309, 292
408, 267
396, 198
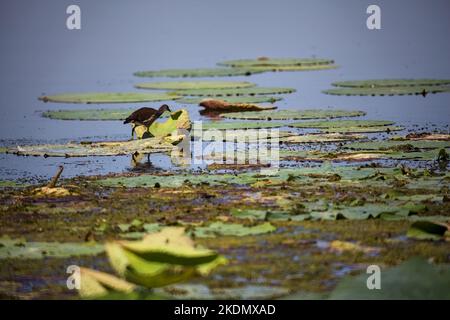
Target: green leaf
264, 61
222, 125
391, 83
192, 73
293, 114
398, 145
320, 138
234, 92
387, 91
187, 85
341, 124
161, 258
426, 230
19, 249
170, 245
232, 229
108, 97
91, 114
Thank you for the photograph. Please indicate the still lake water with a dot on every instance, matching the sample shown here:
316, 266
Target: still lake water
40, 56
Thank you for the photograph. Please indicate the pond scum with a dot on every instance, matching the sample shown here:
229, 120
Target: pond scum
347, 193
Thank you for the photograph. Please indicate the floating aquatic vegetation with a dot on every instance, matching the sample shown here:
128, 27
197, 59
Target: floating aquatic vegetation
398, 145
85, 149
270, 215
425, 136
294, 114
193, 73
341, 124
373, 129
344, 246
294, 68
368, 211
187, 85
238, 99
234, 92
241, 136
223, 125
387, 91
109, 97
88, 114
265, 61
91, 114
413, 279
281, 64
161, 258
223, 106
231, 229
376, 83
357, 155
426, 230
321, 138
21, 249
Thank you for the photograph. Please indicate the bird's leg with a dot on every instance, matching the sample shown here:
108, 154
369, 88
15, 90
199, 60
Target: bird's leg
132, 132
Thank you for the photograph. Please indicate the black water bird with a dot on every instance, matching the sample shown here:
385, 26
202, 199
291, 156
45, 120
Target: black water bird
145, 116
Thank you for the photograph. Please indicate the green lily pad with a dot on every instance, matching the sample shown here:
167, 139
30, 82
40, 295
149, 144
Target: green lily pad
88, 114
312, 67
373, 129
276, 62
85, 149
426, 230
243, 136
387, 91
109, 97
255, 214
231, 229
341, 124
238, 99
321, 138
414, 279
293, 114
234, 92
19, 249
193, 73
91, 114
399, 145
376, 83
223, 125
357, 155
188, 85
